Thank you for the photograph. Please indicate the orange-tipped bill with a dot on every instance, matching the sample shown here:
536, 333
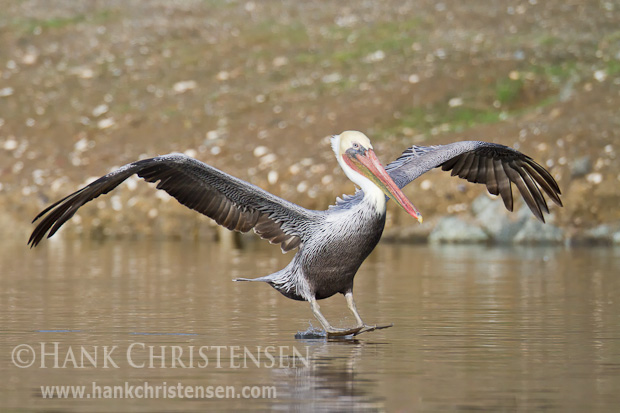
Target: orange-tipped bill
369, 165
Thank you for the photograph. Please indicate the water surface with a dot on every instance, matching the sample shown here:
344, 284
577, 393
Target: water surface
475, 328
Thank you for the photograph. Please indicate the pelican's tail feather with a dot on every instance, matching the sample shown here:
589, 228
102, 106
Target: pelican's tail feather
266, 278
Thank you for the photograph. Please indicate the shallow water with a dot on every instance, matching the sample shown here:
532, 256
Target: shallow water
475, 328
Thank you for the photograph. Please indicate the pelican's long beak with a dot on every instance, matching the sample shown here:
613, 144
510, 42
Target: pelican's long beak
369, 165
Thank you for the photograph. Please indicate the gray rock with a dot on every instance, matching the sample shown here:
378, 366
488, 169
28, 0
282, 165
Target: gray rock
535, 232
600, 232
501, 225
600, 235
581, 167
481, 204
411, 234
453, 229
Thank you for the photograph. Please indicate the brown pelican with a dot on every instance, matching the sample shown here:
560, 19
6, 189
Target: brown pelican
331, 244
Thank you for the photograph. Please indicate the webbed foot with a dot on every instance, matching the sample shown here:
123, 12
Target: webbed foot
367, 328
342, 332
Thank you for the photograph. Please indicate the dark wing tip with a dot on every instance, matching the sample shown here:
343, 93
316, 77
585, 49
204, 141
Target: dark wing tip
55, 215
499, 167
33, 241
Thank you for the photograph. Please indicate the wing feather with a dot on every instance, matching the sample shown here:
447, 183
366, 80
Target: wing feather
505, 188
481, 176
533, 188
545, 183
460, 165
515, 178
496, 166
231, 202
491, 181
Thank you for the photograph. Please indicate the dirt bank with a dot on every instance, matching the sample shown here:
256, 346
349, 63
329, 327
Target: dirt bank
253, 88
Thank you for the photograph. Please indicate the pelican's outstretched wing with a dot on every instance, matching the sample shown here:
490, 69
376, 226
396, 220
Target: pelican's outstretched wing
496, 166
231, 202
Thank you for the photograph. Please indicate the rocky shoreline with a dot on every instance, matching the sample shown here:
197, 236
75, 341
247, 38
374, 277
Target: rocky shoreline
490, 223
255, 89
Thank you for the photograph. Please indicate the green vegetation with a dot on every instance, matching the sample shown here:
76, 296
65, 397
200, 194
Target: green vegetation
424, 120
30, 25
346, 46
556, 73
508, 90
55, 23
269, 32
548, 40
613, 67
528, 90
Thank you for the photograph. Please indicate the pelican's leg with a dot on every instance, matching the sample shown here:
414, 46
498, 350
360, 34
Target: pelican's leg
361, 326
331, 331
351, 305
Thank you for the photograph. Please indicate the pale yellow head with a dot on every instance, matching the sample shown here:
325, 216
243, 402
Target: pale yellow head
349, 139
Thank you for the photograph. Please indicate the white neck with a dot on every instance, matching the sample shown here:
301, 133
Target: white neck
372, 193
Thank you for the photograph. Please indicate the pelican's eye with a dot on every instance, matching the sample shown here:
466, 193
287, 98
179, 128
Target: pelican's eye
356, 145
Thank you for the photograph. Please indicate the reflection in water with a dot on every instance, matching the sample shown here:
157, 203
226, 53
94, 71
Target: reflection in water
331, 382
474, 327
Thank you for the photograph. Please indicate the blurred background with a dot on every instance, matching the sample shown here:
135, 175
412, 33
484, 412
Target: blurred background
255, 87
